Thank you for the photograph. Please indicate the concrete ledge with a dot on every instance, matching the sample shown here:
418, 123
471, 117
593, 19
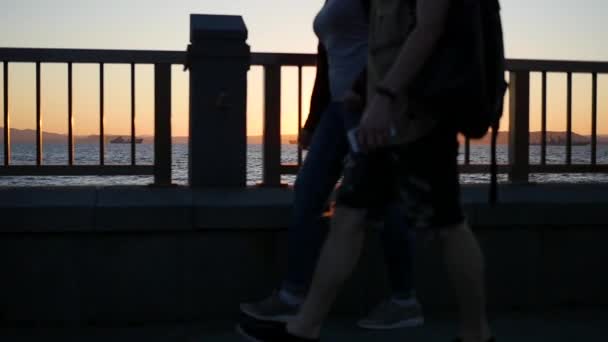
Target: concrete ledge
142, 208
252, 208
47, 209
134, 254
176, 209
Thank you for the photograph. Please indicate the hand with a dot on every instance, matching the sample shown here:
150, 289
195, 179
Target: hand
304, 139
376, 123
353, 102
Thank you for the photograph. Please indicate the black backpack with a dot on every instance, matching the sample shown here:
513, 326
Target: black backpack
366, 6
465, 76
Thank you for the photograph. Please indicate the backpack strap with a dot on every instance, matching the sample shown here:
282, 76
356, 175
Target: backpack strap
366, 6
360, 84
494, 167
481, 46
321, 96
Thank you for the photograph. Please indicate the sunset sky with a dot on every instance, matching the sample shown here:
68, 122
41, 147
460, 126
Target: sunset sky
535, 29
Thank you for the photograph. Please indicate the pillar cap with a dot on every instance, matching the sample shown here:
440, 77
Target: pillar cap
205, 27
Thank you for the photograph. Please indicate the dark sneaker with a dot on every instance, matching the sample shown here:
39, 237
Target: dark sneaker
391, 315
270, 309
268, 332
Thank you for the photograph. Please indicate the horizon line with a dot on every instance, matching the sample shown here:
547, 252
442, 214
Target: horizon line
255, 135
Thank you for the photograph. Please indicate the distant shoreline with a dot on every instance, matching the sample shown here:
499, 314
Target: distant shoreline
29, 136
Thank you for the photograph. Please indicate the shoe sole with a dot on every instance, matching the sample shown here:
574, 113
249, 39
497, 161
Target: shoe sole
277, 318
244, 335
410, 323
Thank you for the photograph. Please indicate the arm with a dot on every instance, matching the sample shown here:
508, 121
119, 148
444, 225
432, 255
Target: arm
320, 93
432, 17
378, 117
355, 98
360, 85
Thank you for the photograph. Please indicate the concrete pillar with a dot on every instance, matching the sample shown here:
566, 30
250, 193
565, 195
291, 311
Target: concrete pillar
219, 59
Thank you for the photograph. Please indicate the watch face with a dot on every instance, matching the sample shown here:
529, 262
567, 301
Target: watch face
353, 141
387, 92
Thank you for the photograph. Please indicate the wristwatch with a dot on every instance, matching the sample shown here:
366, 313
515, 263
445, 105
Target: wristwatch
386, 92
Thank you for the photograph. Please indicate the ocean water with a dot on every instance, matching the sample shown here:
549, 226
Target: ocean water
116, 154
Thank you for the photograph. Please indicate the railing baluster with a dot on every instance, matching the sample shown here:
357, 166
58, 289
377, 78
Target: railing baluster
38, 118
569, 122
101, 117
272, 126
7, 130
299, 113
543, 146
132, 113
594, 119
162, 124
70, 117
467, 151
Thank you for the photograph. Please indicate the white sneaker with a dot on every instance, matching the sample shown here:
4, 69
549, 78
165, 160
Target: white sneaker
392, 315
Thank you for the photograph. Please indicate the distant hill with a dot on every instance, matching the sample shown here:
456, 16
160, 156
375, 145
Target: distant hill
25, 136
536, 138
29, 136
285, 139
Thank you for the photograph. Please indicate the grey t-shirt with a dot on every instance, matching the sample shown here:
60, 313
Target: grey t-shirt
342, 27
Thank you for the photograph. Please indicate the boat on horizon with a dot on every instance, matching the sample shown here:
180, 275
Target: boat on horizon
121, 140
561, 141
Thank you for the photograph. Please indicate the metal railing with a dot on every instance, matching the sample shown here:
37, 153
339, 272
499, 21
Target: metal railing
520, 71
518, 167
272, 64
162, 61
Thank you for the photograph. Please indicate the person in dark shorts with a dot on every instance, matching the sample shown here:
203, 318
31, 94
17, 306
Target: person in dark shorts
423, 176
407, 151
343, 29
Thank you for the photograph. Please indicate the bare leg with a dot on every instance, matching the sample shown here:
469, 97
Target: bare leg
337, 261
464, 263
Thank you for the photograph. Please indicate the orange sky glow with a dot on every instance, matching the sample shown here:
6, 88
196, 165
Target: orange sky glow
117, 104
531, 31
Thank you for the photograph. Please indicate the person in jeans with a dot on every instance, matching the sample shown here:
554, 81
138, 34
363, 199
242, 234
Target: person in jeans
342, 28
410, 153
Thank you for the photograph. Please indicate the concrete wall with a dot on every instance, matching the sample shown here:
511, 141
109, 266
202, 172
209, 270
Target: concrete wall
85, 255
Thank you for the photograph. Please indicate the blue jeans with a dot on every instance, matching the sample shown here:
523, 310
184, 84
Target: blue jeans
315, 181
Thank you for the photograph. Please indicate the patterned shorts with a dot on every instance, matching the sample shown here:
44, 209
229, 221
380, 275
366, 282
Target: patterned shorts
422, 176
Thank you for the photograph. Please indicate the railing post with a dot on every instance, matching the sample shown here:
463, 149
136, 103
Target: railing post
519, 126
162, 124
272, 126
7, 122
219, 59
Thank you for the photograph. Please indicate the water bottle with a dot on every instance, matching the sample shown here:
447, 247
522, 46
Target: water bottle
353, 140
358, 186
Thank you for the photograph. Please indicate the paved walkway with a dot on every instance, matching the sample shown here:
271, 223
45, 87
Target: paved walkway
585, 326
